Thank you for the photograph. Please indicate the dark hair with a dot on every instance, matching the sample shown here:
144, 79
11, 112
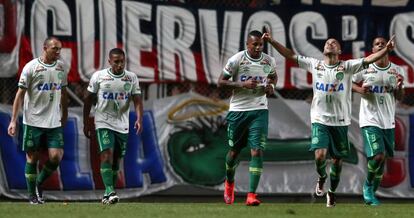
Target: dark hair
377, 37
48, 39
116, 51
255, 33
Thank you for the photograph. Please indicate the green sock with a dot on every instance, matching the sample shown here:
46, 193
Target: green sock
107, 177
30, 173
373, 167
231, 165
47, 170
255, 170
335, 176
378, 176
115, 170
321, 168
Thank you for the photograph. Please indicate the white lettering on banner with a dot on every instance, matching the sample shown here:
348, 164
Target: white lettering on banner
343, 2
176, 30
297, 33
275, 25
349, 27
382, 3
85, 22
388, 3
358, 49
61, 25
11, 28
404, 46
134, 40
214, 58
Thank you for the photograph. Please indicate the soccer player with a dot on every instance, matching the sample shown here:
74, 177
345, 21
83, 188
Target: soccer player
251, 74
382, 84
331, 106
42, 84
113, 89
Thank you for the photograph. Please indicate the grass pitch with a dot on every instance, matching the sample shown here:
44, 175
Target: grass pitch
208, 210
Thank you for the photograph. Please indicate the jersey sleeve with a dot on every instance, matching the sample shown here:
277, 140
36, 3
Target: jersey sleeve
402, 72
305, 62
93, 83
65, 75
358, 77
273, 66
232, 65
25, 76
136, 89
355, 65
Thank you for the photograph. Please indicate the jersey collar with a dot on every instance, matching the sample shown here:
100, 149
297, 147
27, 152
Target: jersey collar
381, 68
114, 75
46, 65
252, 59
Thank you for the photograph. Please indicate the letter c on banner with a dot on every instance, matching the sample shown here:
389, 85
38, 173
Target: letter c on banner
8, 24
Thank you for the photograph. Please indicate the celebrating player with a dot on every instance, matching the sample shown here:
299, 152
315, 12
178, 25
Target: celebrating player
331, 106
382, 83
251, 74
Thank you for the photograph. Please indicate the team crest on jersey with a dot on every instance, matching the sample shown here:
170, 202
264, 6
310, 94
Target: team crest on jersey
127, 86
392, 80
339, 76
40, 68
267, 69
60, 75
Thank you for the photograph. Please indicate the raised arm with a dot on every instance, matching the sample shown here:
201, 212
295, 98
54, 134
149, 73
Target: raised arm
378, 55
285, 52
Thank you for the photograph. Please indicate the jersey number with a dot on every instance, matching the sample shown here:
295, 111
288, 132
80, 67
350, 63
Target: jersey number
381, 100
51, 96
328, 98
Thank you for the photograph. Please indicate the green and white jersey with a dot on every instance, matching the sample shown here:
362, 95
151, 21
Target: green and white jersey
43, 84
378, 107
332, 88
242, 67
114, 93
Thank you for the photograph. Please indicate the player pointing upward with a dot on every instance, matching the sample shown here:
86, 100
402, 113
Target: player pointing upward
331, 105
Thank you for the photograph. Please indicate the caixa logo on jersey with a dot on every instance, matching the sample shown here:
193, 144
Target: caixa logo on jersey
115, 95
71, 175
260, 79
49, 86
329, 87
